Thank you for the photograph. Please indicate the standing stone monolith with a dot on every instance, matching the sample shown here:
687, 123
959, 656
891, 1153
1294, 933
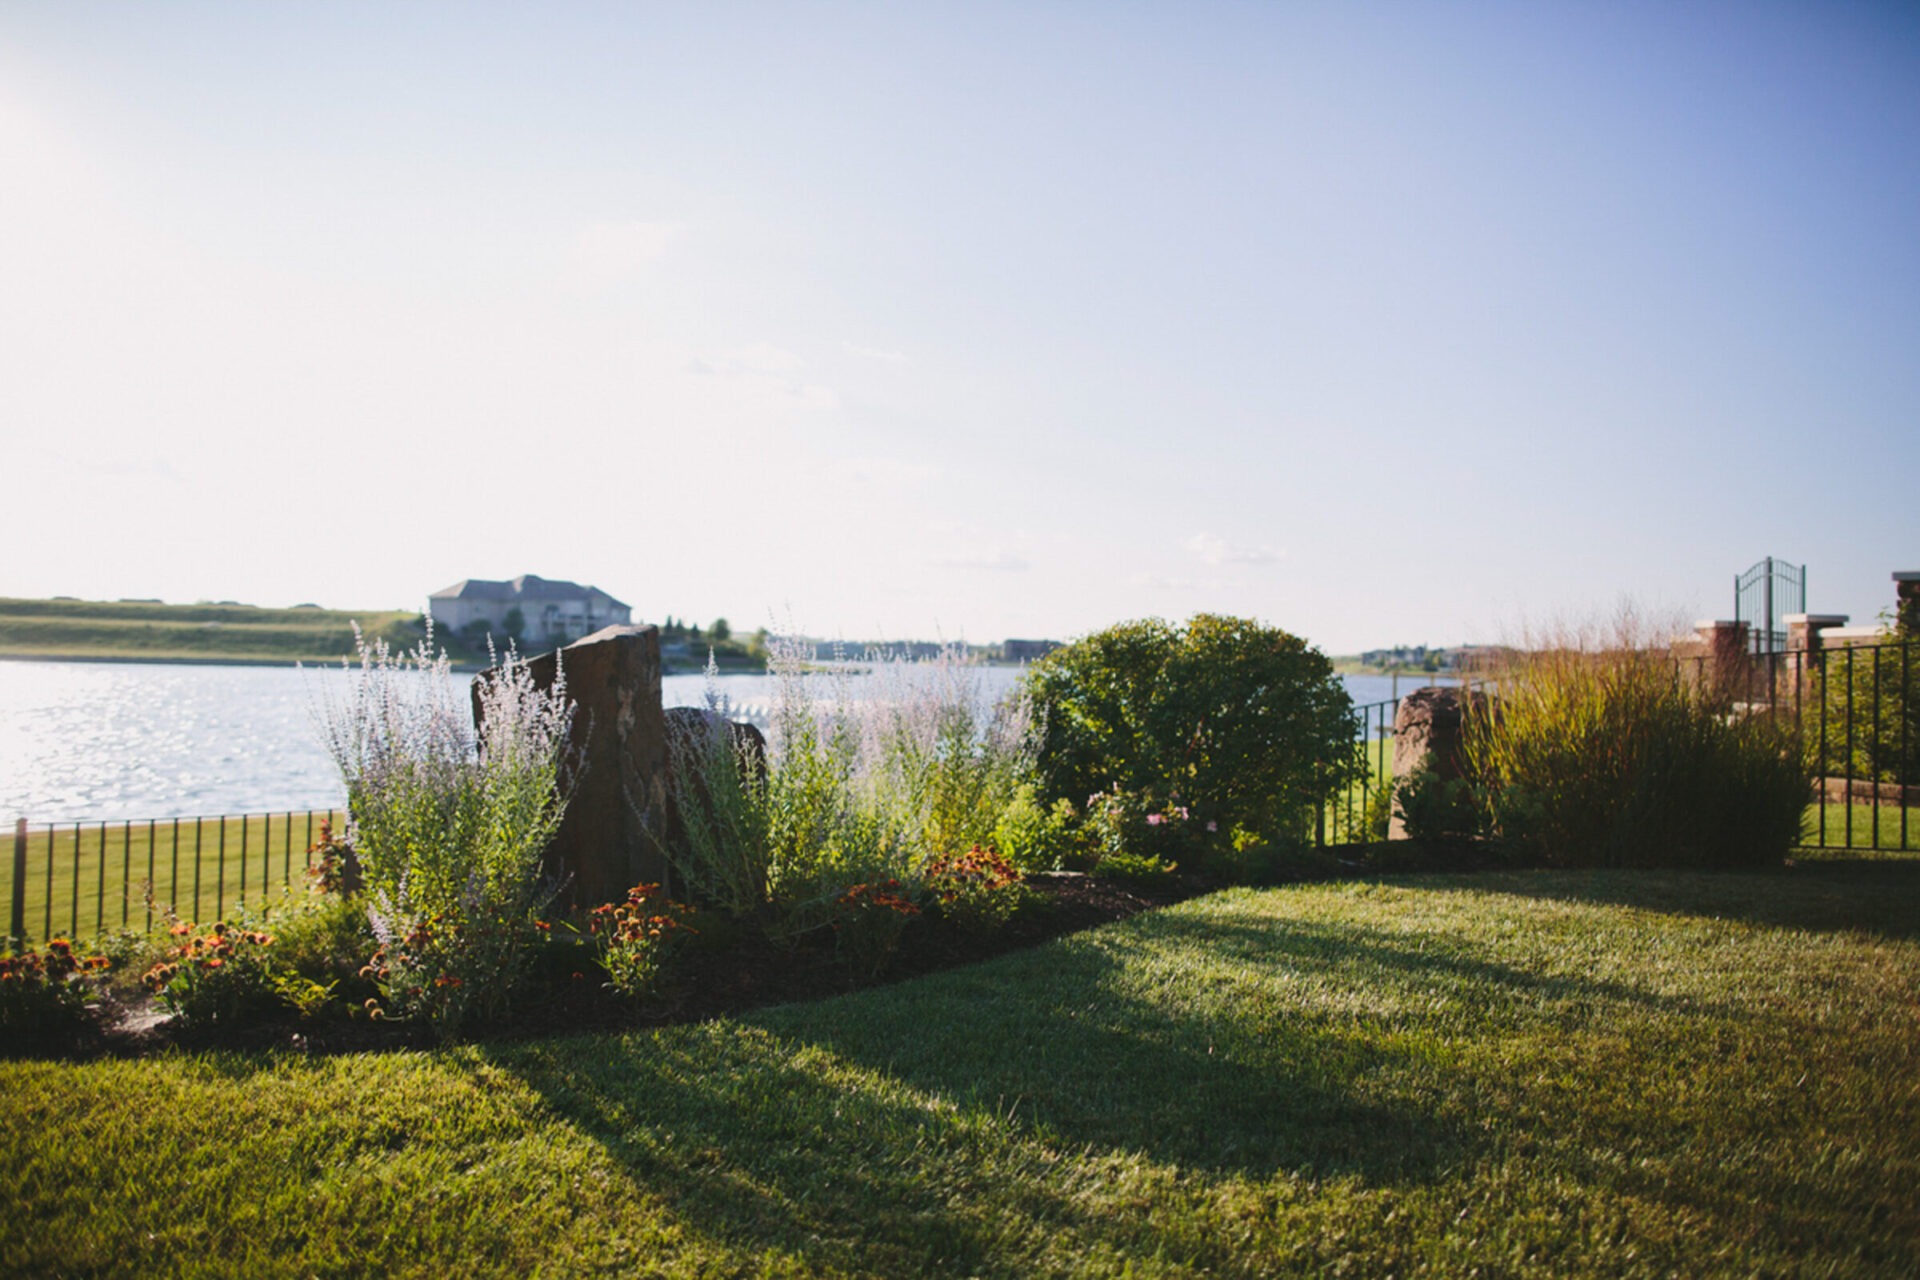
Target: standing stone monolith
1429, 734
607, 841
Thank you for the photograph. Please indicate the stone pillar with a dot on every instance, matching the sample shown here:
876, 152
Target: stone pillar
1906, 609
1429, 733
1803, 640
607, 839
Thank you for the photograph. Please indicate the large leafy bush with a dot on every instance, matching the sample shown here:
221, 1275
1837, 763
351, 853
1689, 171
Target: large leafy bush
1238, 728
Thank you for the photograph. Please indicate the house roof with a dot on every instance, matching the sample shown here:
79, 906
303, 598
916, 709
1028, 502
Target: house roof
526, 587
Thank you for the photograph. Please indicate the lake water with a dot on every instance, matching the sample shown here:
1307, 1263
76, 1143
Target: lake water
85, 741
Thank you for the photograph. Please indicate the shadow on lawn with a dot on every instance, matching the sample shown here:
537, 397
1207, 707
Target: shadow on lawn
918, 1127
913, 1128
1880, 897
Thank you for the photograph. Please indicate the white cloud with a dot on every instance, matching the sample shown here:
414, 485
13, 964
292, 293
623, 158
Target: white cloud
755, 360
1161, 582
994, 561
609, 251
892, 473
1216, 551
874, 353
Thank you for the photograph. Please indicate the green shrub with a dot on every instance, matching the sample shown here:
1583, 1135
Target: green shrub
46, 991
1865, 713
1134, 868
1602, 755
1237, 724
867, 920
220, 976
1033, 836
720, 840
324, 941
1434, 808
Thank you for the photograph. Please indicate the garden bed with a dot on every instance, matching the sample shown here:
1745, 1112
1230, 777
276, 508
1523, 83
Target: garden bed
731, 971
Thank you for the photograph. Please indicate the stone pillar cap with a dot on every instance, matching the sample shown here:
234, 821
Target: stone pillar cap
1711, 624
1817, 619
1906, 575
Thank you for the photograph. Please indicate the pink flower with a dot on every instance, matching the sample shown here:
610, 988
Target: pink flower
1213, 826
1155, 819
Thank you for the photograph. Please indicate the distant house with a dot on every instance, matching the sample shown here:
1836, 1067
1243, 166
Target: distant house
528, 608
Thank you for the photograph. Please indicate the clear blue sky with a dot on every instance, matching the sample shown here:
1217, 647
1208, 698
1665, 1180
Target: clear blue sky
1379, 322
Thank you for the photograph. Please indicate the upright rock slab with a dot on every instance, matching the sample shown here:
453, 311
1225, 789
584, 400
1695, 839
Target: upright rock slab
607, 839
1429, 734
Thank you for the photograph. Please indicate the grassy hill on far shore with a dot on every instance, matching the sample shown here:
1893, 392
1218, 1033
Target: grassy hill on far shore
148, 631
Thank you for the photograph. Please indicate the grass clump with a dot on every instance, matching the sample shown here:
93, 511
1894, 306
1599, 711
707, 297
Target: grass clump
1599, 752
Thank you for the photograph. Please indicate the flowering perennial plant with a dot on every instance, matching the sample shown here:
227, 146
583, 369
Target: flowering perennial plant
450, 970
42, 990
868, 920
978, 889
217, 976
636, 937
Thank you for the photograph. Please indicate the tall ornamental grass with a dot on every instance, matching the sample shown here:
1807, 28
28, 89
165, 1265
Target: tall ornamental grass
861, 787
449, 823
1600, 752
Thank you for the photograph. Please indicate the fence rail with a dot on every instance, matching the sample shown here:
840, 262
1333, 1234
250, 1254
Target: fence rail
78, 878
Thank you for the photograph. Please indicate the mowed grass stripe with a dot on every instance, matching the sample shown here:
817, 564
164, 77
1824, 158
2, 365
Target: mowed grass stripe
1537, 1073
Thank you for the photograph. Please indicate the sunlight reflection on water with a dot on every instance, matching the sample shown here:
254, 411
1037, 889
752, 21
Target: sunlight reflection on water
84, 741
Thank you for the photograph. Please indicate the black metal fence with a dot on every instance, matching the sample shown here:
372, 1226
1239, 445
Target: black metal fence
1857, 709
82, 878
1359, 813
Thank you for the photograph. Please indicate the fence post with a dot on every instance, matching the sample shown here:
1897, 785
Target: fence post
17, 921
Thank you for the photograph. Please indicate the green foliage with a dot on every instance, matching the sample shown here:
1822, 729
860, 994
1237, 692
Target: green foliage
449, 824
867, 919
1033, 836
1434, 808
1863, 714
837, 828
325, 940
720, 840
1602, 755
1139, 868
46, 991
1238, 723
221, 976
978, 890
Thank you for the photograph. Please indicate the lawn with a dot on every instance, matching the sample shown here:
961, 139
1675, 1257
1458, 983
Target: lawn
1533, 1073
